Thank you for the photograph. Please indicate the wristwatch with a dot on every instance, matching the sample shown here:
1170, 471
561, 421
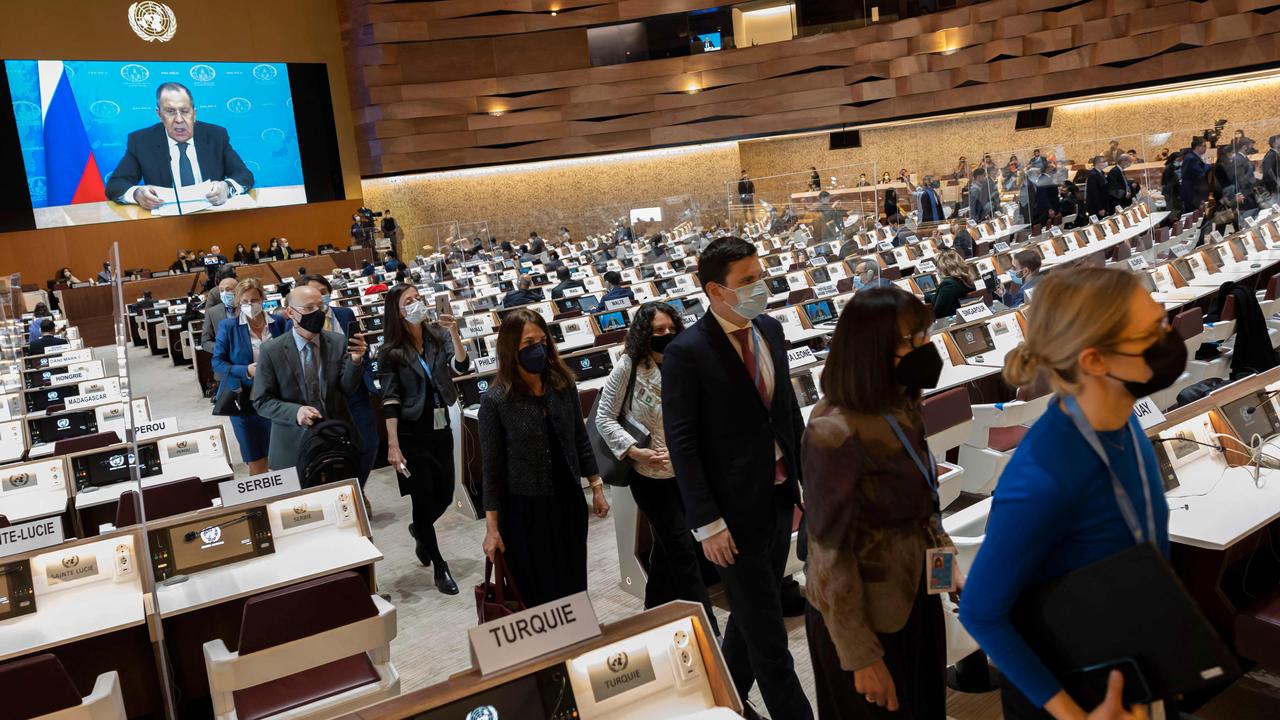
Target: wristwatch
231, 189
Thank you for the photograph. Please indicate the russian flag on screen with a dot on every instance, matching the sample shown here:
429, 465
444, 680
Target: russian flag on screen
71, 172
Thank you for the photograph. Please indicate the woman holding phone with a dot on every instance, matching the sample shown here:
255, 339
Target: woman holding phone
1084, 483
418, 359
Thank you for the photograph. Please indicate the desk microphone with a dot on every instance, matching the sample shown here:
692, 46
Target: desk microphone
1248, 412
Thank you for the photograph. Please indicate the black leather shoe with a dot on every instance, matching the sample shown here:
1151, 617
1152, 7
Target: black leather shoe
424, 555
444, 581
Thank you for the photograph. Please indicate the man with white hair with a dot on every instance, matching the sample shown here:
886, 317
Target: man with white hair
304, 376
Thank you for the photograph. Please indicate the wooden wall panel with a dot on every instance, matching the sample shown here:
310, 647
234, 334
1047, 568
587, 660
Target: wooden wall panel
507, 95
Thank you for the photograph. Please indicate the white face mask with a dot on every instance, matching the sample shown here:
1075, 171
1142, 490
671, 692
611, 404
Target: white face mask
415, 312
250, 310
751, 299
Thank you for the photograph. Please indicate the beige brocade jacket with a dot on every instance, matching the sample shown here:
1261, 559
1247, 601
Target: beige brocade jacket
870, 516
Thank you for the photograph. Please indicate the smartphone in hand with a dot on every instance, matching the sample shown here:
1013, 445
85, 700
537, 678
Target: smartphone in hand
353, 329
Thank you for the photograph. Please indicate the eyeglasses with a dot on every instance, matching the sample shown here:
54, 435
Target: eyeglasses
1162, 327
172, 113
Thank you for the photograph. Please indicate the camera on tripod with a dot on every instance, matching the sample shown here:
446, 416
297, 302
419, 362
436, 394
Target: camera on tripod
1212, 134
367, 216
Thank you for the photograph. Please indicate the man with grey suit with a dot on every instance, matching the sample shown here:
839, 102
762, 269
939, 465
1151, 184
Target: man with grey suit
218, 309
304, 376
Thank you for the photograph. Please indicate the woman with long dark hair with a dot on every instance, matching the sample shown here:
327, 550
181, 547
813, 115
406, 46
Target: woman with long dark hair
634, 389
417, 361
876, 635
535, 451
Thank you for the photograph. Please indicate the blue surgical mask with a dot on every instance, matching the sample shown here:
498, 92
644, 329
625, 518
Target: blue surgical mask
1015, 277
227, 297
857, 282
752, 299
325, 299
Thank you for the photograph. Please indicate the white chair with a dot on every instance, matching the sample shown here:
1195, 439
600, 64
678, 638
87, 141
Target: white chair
966, 529
315, 650
994, 436
947, 418
39, 688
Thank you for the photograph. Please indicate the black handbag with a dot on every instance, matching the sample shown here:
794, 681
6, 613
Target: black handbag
233, 402
613, 470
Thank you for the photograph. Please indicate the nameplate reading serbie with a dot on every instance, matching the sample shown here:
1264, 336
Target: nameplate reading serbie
485, 364
972, 312
259, 487
531, 633
1149, 414
33, 535
153, 428
801, 356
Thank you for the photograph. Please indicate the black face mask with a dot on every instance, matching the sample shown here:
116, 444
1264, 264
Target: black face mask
533, 359
920, 368
659, 343
312, 322
1167, 358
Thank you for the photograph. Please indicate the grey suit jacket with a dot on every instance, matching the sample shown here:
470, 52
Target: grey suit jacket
213, 317
278, 393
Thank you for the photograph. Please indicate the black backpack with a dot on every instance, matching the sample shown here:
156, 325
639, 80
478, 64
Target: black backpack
330, 452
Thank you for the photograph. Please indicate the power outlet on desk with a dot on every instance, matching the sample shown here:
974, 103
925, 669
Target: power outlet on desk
124, 564
346, 509
688, 666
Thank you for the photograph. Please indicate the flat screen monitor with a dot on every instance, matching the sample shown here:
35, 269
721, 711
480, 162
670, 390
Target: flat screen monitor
17, 592
1184, 268
666, 286
677, 304
112, 466
544, 695
710, 41
60, 427
610, 321
589, 303
41, 399
926, 282
566, 305
820, 312
778, 286
210, 542
820, 275
973, 340
92, 137
473, 389
888, 257
590, 365
1251, 415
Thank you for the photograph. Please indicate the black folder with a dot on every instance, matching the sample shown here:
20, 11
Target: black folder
1128, 611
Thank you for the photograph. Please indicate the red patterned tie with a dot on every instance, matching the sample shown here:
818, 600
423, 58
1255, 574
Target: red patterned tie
743, 336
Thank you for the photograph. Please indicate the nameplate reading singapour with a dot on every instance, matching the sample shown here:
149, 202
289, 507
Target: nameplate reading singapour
531, 633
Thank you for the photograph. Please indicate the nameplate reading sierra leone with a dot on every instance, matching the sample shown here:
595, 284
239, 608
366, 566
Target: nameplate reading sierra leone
259, 487
509, 641
801, 356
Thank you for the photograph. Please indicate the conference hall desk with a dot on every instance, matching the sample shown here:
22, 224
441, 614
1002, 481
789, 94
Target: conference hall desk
1220, 517
950, 191
91, 612
110, 211
92, 307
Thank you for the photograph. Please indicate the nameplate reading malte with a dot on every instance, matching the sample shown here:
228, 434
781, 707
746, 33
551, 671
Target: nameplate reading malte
259, 487
531, 633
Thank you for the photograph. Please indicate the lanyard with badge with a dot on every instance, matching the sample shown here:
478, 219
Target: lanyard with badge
939, 562
440, 413
1127, 509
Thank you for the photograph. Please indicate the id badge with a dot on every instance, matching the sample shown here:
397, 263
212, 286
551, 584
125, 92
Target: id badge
940, 569
440, 419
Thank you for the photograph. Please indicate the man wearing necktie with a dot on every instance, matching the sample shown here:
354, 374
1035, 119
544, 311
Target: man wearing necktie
930, 203
304, 376
733, 430
178, 152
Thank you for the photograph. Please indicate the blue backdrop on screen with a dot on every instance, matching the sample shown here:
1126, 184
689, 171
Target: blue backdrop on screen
251, 100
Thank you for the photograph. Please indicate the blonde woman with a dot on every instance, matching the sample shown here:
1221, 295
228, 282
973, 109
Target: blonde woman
956, 279
1083, 484
235, 358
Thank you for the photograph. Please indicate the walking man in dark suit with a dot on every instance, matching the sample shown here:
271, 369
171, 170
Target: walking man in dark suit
178, 151
1118, 189
733, 431
1195, 175
1096, 199
1271, 165
304, 376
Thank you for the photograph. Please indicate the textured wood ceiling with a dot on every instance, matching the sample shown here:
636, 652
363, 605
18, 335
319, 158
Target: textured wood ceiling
455, 83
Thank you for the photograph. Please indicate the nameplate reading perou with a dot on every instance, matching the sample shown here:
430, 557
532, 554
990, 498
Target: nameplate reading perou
509, 641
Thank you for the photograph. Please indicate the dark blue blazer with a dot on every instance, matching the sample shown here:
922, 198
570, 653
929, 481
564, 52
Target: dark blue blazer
719, 433
146, 159
1195, 181
233, 350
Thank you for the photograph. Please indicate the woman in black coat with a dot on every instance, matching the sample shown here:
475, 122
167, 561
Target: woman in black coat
957, 282
535, 451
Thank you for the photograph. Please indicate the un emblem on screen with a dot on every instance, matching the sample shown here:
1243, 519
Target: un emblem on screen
239, 105
135, 73
265, 73
153, 21
202, 73
484, 712
104, 109
211, 535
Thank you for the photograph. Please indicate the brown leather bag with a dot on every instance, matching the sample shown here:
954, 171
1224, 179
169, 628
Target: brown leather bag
497, 597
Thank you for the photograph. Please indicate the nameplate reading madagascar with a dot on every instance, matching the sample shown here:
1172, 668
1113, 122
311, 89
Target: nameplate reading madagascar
88, 399
33, 535
259, 487
531, 633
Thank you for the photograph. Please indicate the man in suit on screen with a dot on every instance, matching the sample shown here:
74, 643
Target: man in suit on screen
178, 151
